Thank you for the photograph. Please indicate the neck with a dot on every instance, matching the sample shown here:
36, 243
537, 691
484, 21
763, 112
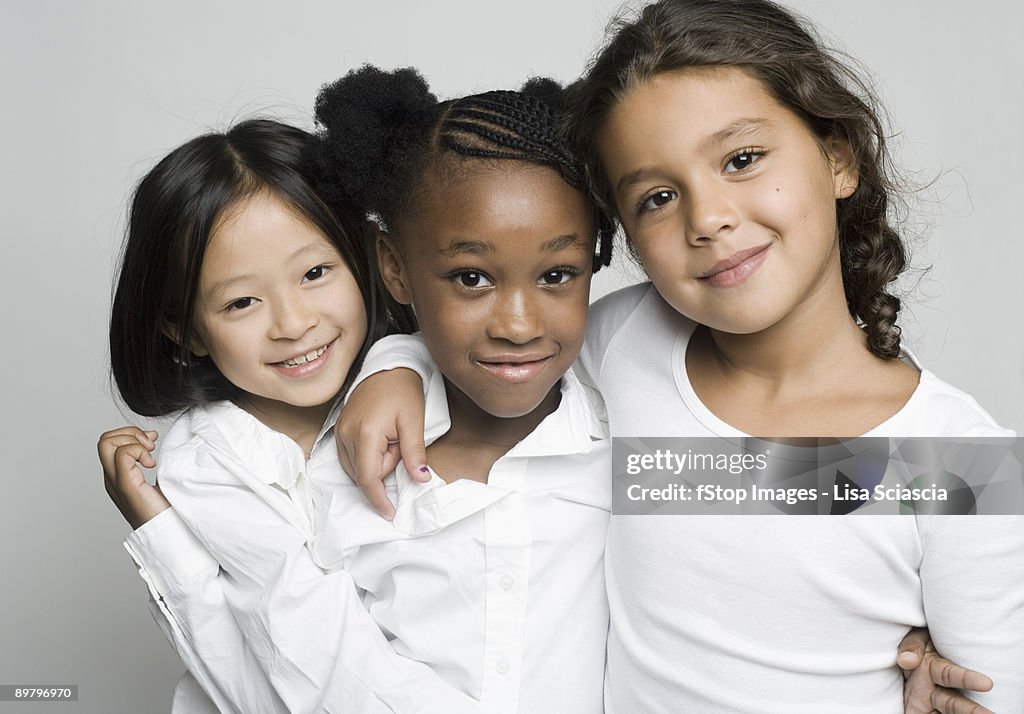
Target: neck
471, 423
808, 347
300, 424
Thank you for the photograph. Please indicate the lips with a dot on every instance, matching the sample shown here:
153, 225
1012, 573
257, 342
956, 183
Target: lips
514, 369
736, 268
306, 363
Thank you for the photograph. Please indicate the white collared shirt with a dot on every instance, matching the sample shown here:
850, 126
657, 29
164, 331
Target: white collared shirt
497, 587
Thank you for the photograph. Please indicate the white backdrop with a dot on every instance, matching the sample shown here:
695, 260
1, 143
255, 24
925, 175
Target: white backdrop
95, 92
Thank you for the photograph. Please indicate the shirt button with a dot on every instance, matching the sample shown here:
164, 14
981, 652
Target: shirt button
502, 505
503, 666
506, 582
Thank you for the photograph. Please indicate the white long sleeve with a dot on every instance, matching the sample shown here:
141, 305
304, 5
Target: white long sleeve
271, 631
188, 604
394, 352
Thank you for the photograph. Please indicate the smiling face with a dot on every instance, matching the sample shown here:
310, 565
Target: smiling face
497, 265
277, 309
727, 196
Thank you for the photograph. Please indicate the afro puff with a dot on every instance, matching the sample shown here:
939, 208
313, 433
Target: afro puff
380, 133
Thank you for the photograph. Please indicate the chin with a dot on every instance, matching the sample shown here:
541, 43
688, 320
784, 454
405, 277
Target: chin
513, 407
510, 411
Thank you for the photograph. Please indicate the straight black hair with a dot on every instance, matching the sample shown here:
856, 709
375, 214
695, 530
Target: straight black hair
174, 211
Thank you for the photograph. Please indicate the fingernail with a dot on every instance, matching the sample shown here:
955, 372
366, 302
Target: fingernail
906, 659
423, 470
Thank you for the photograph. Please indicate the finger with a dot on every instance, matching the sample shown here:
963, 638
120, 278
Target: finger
948, 701
369, 476
344, 456
126, 464
377, 496
346, 444
391, 458
108, 449
146, 437
912, 648
410, 442
947, 674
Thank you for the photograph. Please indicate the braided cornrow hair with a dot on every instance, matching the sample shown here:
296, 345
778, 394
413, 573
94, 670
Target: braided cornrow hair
380, 133
783, 52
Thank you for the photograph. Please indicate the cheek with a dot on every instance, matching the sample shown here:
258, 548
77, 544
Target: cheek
663, 257
570, 320
351, 310
356, 321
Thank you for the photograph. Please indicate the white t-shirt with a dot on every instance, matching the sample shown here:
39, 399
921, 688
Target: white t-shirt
789, 613
497, 588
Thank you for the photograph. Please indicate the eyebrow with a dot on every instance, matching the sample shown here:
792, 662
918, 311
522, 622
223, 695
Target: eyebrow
569, 240
476, 247
734, 131
739, 129
223, 285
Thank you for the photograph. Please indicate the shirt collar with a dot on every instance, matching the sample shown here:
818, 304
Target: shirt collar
242, 438
578, 421
570, 429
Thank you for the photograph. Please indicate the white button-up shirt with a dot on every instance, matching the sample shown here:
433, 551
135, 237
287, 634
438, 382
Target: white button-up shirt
479, 597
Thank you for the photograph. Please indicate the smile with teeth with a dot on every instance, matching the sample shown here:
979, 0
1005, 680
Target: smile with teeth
303, 359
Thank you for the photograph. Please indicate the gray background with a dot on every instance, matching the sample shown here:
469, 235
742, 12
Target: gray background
95, 92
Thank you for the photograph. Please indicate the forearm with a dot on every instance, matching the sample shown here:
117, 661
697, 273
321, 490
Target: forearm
394, 352
187, 602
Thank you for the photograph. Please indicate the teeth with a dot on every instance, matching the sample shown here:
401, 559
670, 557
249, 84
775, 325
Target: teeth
302, 359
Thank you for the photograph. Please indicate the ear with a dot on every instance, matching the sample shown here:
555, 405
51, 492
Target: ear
845, 173
195, 343
392, 269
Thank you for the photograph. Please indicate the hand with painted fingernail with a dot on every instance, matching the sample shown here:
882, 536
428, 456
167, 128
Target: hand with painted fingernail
382, 423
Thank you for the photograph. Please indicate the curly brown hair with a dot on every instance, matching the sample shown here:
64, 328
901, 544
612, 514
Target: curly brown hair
784, 53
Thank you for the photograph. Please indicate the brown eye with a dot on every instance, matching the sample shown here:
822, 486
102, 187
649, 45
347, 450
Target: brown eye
743, 160
242, 303
657, 200
556, 277
316, 273
472, 279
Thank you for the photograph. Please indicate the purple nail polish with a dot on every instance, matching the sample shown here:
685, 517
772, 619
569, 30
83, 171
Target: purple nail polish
424, 470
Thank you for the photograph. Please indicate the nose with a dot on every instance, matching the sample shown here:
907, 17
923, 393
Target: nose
710, 211
293, 317
516, 317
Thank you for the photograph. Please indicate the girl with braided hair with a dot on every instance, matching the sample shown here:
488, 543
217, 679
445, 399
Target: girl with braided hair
489, 584
749, 170
747, 166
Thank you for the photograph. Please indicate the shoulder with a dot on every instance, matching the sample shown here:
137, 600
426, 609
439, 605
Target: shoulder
607, 318
202, 438
937, 408
614, 308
